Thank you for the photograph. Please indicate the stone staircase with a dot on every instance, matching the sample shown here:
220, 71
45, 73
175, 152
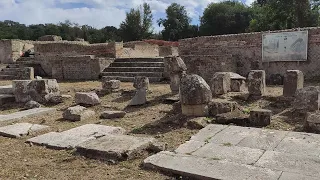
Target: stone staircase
9, 72
125, 69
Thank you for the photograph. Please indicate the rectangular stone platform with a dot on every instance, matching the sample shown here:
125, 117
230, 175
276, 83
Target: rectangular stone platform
232, 152
20, 129
27, 114
71, 138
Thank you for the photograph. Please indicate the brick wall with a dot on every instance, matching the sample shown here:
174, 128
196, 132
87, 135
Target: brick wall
246, 54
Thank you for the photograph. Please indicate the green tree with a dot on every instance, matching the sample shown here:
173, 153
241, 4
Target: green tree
229, 17
177, 23
138, 24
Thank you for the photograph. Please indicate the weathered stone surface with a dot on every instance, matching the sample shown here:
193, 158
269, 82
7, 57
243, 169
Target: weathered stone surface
204, 168
20, 129
6, 98
55, 99
260, 117
141, 82
175, 67
208, 132
235, 117
275, 79
115, 147
238, 85
71, 138
25, 74
90, 98
78, 113
300, 144
307, 99
110, 84
194, 110
189, 147
293, 80
257, 82
140, 97
242, 155
194, 90
218, 106
313, 121
37, 90
301, 164
197, 123
32, 105
220, 83
6, 89
295, 176
113, 114
27, 113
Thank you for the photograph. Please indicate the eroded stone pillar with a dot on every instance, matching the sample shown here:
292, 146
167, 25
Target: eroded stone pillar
293, 80
176, 68
220, 83
257, 83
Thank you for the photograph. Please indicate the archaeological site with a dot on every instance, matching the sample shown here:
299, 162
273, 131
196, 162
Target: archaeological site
230, 107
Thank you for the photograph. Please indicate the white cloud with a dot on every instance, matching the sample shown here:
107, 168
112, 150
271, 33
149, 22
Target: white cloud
97, 13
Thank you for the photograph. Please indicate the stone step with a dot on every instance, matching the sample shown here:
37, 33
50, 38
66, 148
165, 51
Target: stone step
160, 59
133, 74
6, 89
7, 77
6, 98
13, 66
134, 69
9, 71
137, 64
130, 79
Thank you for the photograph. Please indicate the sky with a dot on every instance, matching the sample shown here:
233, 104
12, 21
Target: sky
96, 13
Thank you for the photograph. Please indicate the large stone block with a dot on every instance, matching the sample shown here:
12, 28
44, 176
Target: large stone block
307, 99
38, 90
218, 106
194, 110
112, 114
220, 83
313, 121
260, 117
77, 113
90, 98
194, 90
257, 82
110, 84
293, 80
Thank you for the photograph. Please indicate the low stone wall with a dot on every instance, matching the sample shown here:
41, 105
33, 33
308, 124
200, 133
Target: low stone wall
78, 67
12, 49
246, 51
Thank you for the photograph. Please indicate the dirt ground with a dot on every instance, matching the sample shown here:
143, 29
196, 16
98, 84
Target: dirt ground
157, 118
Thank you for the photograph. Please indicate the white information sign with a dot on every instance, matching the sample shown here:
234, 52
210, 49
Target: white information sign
285, 46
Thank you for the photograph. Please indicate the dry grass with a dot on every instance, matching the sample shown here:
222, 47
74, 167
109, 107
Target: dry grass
157, 119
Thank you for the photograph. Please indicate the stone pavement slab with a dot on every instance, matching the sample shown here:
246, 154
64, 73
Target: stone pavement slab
208, 132
189, 147
26, 114
204, 168
305, 165
20, 129
300, 143
242, 155
115, 147
71, 138
294, 176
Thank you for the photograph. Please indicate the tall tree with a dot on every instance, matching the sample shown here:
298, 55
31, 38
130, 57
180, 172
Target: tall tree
229, 17
138, 24
177, 24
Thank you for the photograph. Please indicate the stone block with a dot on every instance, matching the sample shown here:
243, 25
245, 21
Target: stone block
293, 80
140, 97
115, 147
90, 98
218, 106
25, 73
234, 117
32, 105
27, 114
313, 121
110, 84
113, 114
194, 90
260, 117
238, 85
194, 110
37, 90
307, 99
190, 147
257, 82
141, 82
71, 138
220, 83
208, 132
78, 113
6, 89
21, 129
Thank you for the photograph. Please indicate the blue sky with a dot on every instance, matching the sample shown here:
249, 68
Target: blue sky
96, 13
